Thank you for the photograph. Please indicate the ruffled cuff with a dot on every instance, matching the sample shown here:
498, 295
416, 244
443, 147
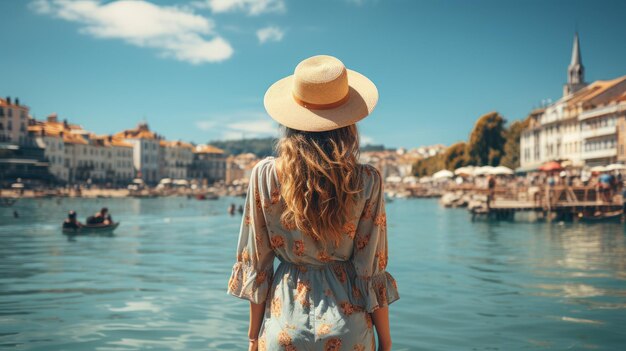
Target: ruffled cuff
377, 291
250, 284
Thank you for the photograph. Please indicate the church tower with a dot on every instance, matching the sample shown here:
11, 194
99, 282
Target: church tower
575, 71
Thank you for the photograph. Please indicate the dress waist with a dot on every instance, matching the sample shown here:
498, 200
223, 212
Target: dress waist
320, 265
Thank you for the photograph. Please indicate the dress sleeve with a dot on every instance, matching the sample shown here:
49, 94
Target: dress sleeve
253, 271
376, 286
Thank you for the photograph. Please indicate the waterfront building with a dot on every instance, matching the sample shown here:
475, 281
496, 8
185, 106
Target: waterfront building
113, 160
238, 167
209, 164
146, 148
122, 159
580, 127
176, 159
25, 162
76, 155
49, 135
13, 121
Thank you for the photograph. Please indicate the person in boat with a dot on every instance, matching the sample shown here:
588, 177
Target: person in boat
103, 217
71, 222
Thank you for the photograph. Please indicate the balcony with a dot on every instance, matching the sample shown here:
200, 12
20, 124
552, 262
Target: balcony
598, 132
610, 152
602, 111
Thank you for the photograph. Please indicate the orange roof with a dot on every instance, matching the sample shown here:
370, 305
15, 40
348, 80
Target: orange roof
207, 149
140, 132
120, 142
178, 143
71, 138
3, 103
593, 90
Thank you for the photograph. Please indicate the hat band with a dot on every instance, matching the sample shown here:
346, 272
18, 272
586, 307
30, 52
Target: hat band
322, 106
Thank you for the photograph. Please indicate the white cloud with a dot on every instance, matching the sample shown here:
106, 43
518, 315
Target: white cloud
251, 7
240, 124
173, 31
206, 125
271, 33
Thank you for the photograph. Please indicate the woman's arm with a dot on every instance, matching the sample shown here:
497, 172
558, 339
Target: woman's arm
256, 319
380, 317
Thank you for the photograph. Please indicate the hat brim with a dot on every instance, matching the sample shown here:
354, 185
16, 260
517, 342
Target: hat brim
282, 107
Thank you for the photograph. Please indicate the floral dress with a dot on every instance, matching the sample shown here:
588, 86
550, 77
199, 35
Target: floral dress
317, 299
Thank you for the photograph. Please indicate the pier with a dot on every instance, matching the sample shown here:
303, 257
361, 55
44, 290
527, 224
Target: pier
551, 202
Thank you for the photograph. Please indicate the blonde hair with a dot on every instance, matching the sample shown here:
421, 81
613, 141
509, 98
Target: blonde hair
320, 178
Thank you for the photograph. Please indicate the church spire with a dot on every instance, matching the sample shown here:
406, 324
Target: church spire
576, 59
575, 70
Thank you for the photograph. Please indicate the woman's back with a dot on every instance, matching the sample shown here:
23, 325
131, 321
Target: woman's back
321, 294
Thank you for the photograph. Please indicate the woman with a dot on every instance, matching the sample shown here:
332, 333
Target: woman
322, 215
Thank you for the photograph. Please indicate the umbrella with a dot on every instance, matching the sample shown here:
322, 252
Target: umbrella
598, 169
393, 179
425, 180
444, 173
17, 186
469, 170
615, 167
483, 170
138, 181
551, 166
410, 179
501, 170
181, 182
165, 181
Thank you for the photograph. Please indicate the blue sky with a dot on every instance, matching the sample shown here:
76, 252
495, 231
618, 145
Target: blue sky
197, 70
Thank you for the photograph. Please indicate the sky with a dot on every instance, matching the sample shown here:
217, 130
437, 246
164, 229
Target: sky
197, 70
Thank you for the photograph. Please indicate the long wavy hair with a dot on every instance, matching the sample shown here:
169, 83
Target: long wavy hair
320, 178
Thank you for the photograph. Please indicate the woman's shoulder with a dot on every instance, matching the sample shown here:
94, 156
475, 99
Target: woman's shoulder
372, 180
370, 173
264, 169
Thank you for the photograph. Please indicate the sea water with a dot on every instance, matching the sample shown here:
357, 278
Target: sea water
159, 282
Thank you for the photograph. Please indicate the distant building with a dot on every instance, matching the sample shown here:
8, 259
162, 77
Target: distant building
49, 136
176, 159
209, 164
13, 121
580, 127
146, 148
239, 167
75, 155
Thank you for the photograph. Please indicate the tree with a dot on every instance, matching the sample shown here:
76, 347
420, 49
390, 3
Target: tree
456, 156
486, 142
428, 166
511, 157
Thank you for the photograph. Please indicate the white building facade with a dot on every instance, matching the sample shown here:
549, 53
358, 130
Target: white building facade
581, 127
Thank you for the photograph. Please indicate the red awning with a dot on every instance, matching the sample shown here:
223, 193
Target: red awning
551, 166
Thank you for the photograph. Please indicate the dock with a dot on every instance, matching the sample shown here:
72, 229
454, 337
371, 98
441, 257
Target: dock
560, 202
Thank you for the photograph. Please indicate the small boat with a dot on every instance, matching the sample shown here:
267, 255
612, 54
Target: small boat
609, 216
92, 229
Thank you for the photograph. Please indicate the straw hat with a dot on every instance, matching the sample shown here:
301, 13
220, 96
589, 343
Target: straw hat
321, 95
